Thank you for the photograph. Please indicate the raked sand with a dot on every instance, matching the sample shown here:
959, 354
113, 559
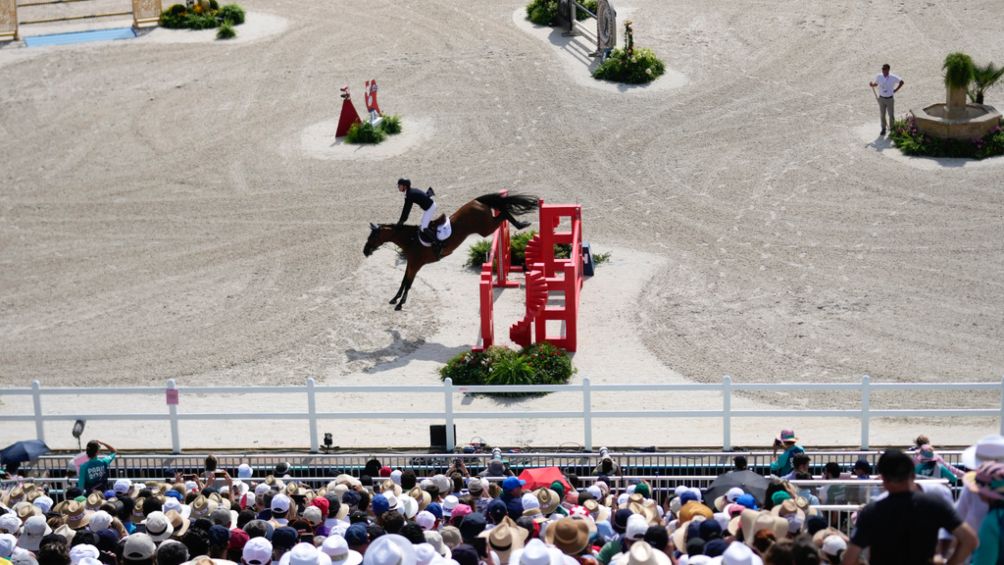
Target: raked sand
173, 210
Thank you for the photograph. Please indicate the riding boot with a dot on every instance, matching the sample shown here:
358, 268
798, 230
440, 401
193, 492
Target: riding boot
438, 247
429, 235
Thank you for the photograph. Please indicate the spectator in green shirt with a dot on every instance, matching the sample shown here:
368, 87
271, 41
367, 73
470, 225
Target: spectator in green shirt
783, 464
94, 472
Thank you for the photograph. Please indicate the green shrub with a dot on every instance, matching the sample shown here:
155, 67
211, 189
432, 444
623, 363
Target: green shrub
545, 12
538, 364
363, 133
201, 21
467, 368
552, 365
640, 68
232, 13
226, 31
911, 141
391, 125
958, 69
477, 254
600, 258
214, 5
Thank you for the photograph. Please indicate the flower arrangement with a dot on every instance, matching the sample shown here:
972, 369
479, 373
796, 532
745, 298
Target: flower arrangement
540, 364
630, 65
911, 141
205, 14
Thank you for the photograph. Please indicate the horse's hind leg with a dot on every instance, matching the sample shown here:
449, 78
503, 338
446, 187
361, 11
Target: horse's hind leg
409, 277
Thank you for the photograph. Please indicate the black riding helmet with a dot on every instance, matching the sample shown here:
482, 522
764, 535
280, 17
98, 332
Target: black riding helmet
405, 182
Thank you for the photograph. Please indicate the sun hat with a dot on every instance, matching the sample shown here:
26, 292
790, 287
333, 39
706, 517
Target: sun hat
389, 549
505, 538
449, 503
730, 496
425, 554
43, 503
76, 515
693, 509
408, 506
988, 448
158, 526
337, 549
426, 520
94, 501
100, 520
637, 525
35, 528
987, 480
81, 551
304, 554
433, 538
451, 536
569, 535
10, 524
833, 545
138, 547
179, 524
641, 553
740, 554
787, 436
535, 553
22, 556
257, 551
752, 522
548, 501
512, 483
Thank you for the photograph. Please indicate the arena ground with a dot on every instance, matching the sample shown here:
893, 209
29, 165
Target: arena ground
163, 214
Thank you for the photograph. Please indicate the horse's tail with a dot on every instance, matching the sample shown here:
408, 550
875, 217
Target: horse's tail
512, 204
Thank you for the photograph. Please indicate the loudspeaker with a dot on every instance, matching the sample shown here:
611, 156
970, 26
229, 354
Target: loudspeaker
437, 436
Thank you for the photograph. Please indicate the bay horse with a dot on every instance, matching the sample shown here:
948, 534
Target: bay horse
474, 217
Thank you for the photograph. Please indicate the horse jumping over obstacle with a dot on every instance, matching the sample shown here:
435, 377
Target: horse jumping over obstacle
477, 216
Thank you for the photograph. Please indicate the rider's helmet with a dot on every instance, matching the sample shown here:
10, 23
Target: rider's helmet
405, 182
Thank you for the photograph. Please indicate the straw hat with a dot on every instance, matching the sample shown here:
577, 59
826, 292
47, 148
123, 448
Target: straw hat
179, 523
548, 499
641, 553
752, 522
76, 515
390, 486
569, 535
424, 499
505, 538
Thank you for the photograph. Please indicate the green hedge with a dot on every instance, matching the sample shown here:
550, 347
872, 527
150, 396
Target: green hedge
366, 133
539, 364
911, 141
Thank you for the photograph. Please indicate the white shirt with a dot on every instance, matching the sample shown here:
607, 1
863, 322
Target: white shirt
887, 84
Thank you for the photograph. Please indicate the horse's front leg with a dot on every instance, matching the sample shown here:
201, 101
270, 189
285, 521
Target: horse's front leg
409, 277
400, 290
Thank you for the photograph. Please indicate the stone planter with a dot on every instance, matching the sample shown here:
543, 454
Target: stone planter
955, 119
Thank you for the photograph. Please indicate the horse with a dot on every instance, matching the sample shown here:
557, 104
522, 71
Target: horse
477, 216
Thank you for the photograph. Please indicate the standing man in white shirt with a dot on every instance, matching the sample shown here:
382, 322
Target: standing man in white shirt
888, 85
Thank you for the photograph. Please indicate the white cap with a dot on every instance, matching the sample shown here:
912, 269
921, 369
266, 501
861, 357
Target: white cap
43, 503
257, 551
425, 519
595, 491
280, 504
395, 476
244, 471
81, 551
10, 523
122, 486
100, 520
261, 489
7, 545
637, 525
530, 502
304, 554
834, 544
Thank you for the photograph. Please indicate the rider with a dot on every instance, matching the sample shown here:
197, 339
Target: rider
424, 201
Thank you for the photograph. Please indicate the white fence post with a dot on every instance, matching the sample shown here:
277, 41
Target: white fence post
865, 407
172, 409
587, 415
36, 397
312, 412
1002, 407
451, 440
726, 413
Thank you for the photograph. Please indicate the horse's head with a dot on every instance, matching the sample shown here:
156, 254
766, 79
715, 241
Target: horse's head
378, 236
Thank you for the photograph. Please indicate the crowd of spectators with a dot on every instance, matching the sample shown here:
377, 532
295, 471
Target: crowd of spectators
391, 516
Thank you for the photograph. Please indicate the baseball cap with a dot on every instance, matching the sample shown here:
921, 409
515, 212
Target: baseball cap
244, 471
284, 537
425, 519
257, 551
511, 483
280, 504
833, 545
138, 547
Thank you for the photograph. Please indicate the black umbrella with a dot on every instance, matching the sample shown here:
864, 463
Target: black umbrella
749, 481
21, 451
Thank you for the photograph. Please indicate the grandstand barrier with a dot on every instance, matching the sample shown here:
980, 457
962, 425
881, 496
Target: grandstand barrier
145, 13
494, 274
864, 413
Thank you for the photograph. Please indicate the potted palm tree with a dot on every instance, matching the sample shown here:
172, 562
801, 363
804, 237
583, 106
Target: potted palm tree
984, 77
958, 69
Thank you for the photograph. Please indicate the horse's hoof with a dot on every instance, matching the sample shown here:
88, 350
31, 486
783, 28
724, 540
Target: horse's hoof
398, 307
393, 301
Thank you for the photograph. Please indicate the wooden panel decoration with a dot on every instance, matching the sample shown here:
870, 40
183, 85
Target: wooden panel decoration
146, 13
8, 20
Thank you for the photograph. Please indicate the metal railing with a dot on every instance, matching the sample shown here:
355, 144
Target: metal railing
864, 413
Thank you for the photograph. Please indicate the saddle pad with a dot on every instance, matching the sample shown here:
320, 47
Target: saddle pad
443, 233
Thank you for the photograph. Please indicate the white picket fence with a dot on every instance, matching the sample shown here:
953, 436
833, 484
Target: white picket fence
448, 415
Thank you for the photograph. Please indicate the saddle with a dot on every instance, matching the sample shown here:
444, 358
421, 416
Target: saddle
441, 227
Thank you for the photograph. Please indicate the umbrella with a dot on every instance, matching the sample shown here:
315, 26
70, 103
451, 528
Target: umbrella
21, 451
749, 481
542, 477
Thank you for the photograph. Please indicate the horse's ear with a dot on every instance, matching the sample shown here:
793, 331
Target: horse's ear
374, 227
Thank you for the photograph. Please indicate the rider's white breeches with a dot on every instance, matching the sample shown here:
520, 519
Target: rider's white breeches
428, 216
